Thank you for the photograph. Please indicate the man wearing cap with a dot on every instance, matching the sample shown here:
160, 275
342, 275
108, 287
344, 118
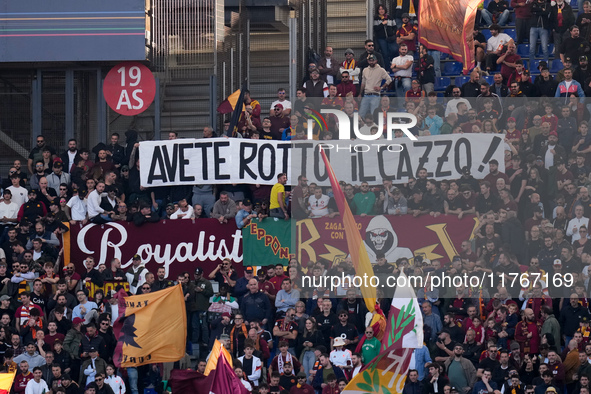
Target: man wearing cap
350, 66
545, 83
279, 121
136, 274
582, 71
58, 176
372, 85
407, 34
92, 367
301, 387
245, 215
203, 292
315, 87
552, 152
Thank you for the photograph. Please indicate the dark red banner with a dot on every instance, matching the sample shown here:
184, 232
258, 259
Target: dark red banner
178, 245
394, 236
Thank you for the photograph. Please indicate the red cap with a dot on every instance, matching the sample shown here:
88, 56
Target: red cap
555, 134
511, 119
226, 314
77, 320
279, 106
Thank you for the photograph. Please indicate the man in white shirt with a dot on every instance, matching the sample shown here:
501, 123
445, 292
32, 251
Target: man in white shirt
185, 211
572, 230
452, 105
318, 204
402, 68
36, 385
494, 46
281, 100
357, 364
20, 195
77, 207
96, 214
136, 274
8, 210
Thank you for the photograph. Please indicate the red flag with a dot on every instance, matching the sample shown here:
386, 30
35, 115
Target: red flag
224, 380
187, 381
221, 380
448, 27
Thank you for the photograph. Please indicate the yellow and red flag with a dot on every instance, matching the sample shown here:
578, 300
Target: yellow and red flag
448, 26
152, 328
355, 243
6, 380
217, 351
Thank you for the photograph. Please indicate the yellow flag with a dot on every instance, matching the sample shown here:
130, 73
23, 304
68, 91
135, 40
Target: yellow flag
217, 350
6, 380
152, 328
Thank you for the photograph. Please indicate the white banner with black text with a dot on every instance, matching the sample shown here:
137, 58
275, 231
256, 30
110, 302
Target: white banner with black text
225, 161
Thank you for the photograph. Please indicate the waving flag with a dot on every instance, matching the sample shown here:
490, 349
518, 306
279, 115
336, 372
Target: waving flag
448, 26
405, 321
217, 351
404, 332
386, 374
355, 243
221, 380
152, 328
6, 380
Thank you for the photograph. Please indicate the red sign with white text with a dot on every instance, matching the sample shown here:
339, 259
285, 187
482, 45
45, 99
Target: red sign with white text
177, 245
129, 88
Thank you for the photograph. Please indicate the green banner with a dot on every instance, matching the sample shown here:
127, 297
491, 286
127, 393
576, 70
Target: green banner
267, 242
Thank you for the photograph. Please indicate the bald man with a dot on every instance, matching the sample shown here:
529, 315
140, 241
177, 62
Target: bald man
527, 332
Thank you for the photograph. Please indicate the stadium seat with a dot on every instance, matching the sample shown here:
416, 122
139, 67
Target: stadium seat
534, 66
525, 64
440, 94
533, 78
541, 53
574, 4
445, 56
490, 79
511, 33
452, 68
523, 50
441, 83
486, 34
556, 66
462, 80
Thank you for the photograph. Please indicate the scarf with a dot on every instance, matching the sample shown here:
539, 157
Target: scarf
349, 65
411, 7
136, 275
244, 332
280, 362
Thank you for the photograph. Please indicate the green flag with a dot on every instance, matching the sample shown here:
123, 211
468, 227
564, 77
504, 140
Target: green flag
267, 242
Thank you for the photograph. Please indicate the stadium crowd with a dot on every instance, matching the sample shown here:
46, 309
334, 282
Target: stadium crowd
533, 224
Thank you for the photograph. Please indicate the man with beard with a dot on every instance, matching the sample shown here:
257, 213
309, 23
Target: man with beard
527, 333
372, 85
